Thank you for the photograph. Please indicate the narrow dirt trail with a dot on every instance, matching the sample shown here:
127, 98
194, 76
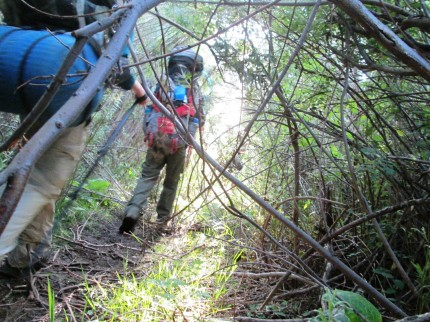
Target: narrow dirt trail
94, 254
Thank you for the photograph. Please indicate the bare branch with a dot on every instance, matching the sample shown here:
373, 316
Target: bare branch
385, 36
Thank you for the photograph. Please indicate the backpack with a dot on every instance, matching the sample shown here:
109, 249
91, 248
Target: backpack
160, 132
179, 88
29, 59
57, 15
30, 56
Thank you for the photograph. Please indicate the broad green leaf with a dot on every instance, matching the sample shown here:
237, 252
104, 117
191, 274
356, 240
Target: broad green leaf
98, 185
383, 272
361, 305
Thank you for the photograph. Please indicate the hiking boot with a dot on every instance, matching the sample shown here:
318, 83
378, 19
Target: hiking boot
162, 226
10, 272
127, 225
162, 220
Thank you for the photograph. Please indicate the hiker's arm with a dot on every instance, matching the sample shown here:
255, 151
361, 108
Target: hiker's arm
140, 93
127, 81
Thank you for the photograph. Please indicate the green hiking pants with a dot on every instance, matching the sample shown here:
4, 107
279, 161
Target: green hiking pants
151, 169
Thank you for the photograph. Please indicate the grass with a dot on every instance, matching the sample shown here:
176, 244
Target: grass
186, 285
51, 302
184, 277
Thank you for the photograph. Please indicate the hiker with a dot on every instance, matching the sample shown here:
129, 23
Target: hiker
166, 147
29, 57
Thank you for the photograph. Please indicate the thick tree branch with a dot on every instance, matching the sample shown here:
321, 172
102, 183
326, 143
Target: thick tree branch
385, 36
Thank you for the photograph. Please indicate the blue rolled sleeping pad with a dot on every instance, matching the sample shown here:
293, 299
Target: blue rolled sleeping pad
29, 59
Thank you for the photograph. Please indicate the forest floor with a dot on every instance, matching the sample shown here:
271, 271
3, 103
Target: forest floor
94, 254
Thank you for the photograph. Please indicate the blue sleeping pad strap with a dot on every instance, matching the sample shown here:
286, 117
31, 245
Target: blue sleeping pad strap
28, 106
6, 34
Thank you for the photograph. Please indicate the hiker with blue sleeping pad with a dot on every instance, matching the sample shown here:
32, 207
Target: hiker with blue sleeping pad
180, 93
30, 56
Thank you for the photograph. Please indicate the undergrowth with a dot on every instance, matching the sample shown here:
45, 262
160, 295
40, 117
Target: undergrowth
185, 285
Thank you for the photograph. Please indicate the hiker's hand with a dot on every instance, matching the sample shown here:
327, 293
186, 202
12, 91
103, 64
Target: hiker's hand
140, 94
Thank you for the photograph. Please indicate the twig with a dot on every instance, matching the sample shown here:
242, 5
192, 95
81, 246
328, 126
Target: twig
274, 274
247, 319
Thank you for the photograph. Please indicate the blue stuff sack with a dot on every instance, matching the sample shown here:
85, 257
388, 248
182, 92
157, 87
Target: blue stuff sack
29, 59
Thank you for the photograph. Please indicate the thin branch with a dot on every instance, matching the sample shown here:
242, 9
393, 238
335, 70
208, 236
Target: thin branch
255, 3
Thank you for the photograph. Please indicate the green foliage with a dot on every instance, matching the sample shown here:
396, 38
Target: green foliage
423, 276
396, 286
3, 161
186, 16
51, 302
93, 194
346, 306
92, 197
278, 310
190, 285
97, 185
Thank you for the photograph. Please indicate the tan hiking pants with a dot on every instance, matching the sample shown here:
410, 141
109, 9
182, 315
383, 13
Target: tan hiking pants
27, 236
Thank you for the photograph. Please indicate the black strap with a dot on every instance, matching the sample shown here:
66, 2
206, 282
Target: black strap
142, 98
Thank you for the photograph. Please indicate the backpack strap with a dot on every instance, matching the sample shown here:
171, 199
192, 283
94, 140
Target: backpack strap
183, 109
174, 147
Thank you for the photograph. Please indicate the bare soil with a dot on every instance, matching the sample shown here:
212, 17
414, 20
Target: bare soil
95, 253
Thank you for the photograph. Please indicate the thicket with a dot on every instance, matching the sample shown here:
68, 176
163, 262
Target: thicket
330, 147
